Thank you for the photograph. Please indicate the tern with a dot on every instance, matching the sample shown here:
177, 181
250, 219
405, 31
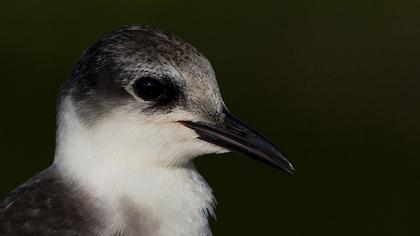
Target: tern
139, 106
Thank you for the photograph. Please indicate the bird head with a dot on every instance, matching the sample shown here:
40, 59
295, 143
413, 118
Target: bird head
153, 98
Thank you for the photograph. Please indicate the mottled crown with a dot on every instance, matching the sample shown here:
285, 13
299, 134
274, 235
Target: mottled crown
102, 77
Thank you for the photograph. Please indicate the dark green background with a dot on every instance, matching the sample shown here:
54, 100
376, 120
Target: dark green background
334, 83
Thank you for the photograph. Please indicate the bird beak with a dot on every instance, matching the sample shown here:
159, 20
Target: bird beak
236, 136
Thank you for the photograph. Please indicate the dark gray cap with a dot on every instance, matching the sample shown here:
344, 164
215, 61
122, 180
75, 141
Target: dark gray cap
102, 78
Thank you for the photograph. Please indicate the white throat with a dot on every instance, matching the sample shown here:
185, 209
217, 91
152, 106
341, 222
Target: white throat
139, 172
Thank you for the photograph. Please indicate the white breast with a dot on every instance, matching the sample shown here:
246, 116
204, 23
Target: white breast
154, 202
152, 189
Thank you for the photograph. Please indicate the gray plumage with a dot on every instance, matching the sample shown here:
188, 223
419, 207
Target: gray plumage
99, 80
48, 204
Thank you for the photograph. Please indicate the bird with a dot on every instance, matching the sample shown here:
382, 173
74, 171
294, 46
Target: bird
138, 107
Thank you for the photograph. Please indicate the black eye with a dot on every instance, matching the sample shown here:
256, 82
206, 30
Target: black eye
148, 89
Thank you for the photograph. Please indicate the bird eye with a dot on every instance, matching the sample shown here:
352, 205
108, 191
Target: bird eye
148, 89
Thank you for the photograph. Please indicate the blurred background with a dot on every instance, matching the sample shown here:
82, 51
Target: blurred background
334, 83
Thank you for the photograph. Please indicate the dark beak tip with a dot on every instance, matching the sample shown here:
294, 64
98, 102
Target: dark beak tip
288, 168
283, 163
291, 169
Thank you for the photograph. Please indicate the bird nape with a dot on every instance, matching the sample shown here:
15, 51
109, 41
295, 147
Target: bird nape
139, 106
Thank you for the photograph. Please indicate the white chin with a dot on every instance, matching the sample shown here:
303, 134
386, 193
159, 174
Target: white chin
222, 150
209, 148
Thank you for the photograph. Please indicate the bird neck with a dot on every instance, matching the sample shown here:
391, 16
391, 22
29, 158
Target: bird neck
137, 196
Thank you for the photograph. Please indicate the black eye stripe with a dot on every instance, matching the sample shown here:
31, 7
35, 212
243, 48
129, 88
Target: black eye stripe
164, 92
148, 89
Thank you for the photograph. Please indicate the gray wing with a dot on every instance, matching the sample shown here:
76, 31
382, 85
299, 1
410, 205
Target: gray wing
46, 205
